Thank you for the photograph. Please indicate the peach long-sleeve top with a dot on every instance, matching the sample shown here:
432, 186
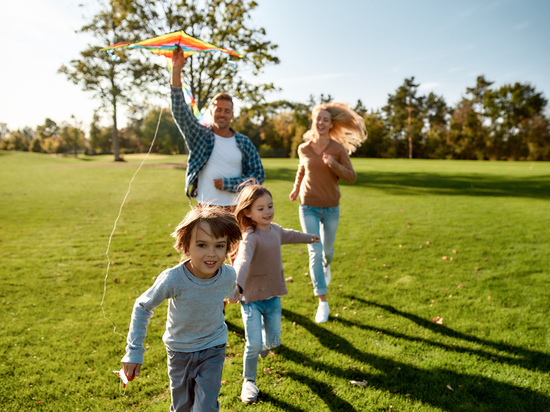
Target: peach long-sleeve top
318, 182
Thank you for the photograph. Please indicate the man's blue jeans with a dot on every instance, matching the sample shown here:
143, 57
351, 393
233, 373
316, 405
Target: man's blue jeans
323, 222
262, 326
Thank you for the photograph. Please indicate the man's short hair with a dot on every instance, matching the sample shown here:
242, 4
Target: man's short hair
221, 96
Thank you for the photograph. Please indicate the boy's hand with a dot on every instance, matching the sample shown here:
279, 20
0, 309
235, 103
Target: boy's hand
315, 239
131, 370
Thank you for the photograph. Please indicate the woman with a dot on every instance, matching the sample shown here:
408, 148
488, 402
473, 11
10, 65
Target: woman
336, 131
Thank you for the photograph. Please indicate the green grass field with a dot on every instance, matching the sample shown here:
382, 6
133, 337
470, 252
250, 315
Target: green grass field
467, 242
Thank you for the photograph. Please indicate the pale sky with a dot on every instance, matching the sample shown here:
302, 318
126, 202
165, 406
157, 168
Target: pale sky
350, 49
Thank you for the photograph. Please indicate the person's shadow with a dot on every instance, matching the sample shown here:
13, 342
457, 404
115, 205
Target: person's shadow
470, 391
525, 358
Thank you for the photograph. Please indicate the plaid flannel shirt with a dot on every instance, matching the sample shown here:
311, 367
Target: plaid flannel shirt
199, 140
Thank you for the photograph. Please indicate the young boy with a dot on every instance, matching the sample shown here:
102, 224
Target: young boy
196, 332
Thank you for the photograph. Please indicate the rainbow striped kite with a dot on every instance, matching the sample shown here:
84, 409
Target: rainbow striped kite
165, 45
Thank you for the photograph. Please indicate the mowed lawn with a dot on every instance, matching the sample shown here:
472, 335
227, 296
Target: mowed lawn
439, 296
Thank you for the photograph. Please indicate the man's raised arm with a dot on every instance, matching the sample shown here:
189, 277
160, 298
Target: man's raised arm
178, 60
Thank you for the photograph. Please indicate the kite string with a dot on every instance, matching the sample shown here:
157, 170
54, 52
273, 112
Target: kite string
115, 225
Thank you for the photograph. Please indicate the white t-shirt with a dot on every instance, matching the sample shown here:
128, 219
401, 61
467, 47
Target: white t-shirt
225, 161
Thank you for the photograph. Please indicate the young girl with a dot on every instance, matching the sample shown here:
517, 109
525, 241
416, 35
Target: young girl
196, 332
260, 276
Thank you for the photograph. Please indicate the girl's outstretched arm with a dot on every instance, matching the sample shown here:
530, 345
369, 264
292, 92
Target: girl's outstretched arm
294, 236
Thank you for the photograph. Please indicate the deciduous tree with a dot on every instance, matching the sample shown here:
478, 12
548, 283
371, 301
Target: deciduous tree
224, 23
469, 135
71, 140
116, 79
404, 114
169, 140
46, 136
511, 109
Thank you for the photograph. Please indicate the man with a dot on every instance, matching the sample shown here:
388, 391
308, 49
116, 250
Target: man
220, 160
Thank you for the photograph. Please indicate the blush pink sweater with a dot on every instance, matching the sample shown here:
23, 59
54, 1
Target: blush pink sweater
259, 263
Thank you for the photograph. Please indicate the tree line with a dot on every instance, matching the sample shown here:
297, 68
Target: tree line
488, 123
505, 123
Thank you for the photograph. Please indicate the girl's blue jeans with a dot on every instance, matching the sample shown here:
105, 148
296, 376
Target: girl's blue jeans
262, 326
323, 222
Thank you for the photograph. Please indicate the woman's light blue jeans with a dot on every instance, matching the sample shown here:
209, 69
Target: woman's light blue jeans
262, 326
323, 222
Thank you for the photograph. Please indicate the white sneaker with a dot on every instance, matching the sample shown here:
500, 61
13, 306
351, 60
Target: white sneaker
327, 274
250, 391
322, 312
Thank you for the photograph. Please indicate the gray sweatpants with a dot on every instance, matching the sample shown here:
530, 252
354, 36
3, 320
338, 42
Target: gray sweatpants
195, 379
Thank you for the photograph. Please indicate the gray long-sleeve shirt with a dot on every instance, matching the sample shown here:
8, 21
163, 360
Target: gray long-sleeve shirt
195, 319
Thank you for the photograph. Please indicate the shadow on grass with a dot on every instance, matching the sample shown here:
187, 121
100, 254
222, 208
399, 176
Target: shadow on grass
231, 327
463, 184
278, 403
440, 184
322, 389
531, 360
281, 173
471, 392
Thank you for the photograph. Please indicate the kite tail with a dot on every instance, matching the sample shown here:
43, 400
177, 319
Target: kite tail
189, 99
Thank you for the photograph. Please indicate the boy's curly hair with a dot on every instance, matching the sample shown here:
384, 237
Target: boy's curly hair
222, 223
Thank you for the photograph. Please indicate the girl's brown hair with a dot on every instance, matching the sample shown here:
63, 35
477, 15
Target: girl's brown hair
221, 222
247, 197
348, 128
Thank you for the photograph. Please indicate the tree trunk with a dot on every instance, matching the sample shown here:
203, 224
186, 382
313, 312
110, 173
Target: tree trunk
410, 134
116, 146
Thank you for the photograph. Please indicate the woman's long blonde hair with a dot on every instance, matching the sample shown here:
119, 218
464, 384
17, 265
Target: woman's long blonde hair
348, 128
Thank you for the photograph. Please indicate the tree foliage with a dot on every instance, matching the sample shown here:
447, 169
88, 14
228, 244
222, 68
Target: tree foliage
113, 79
224, 23
169, 139
405, 118
4, 130
47, 135
121, 78
504, 123
71, 140
512, 109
